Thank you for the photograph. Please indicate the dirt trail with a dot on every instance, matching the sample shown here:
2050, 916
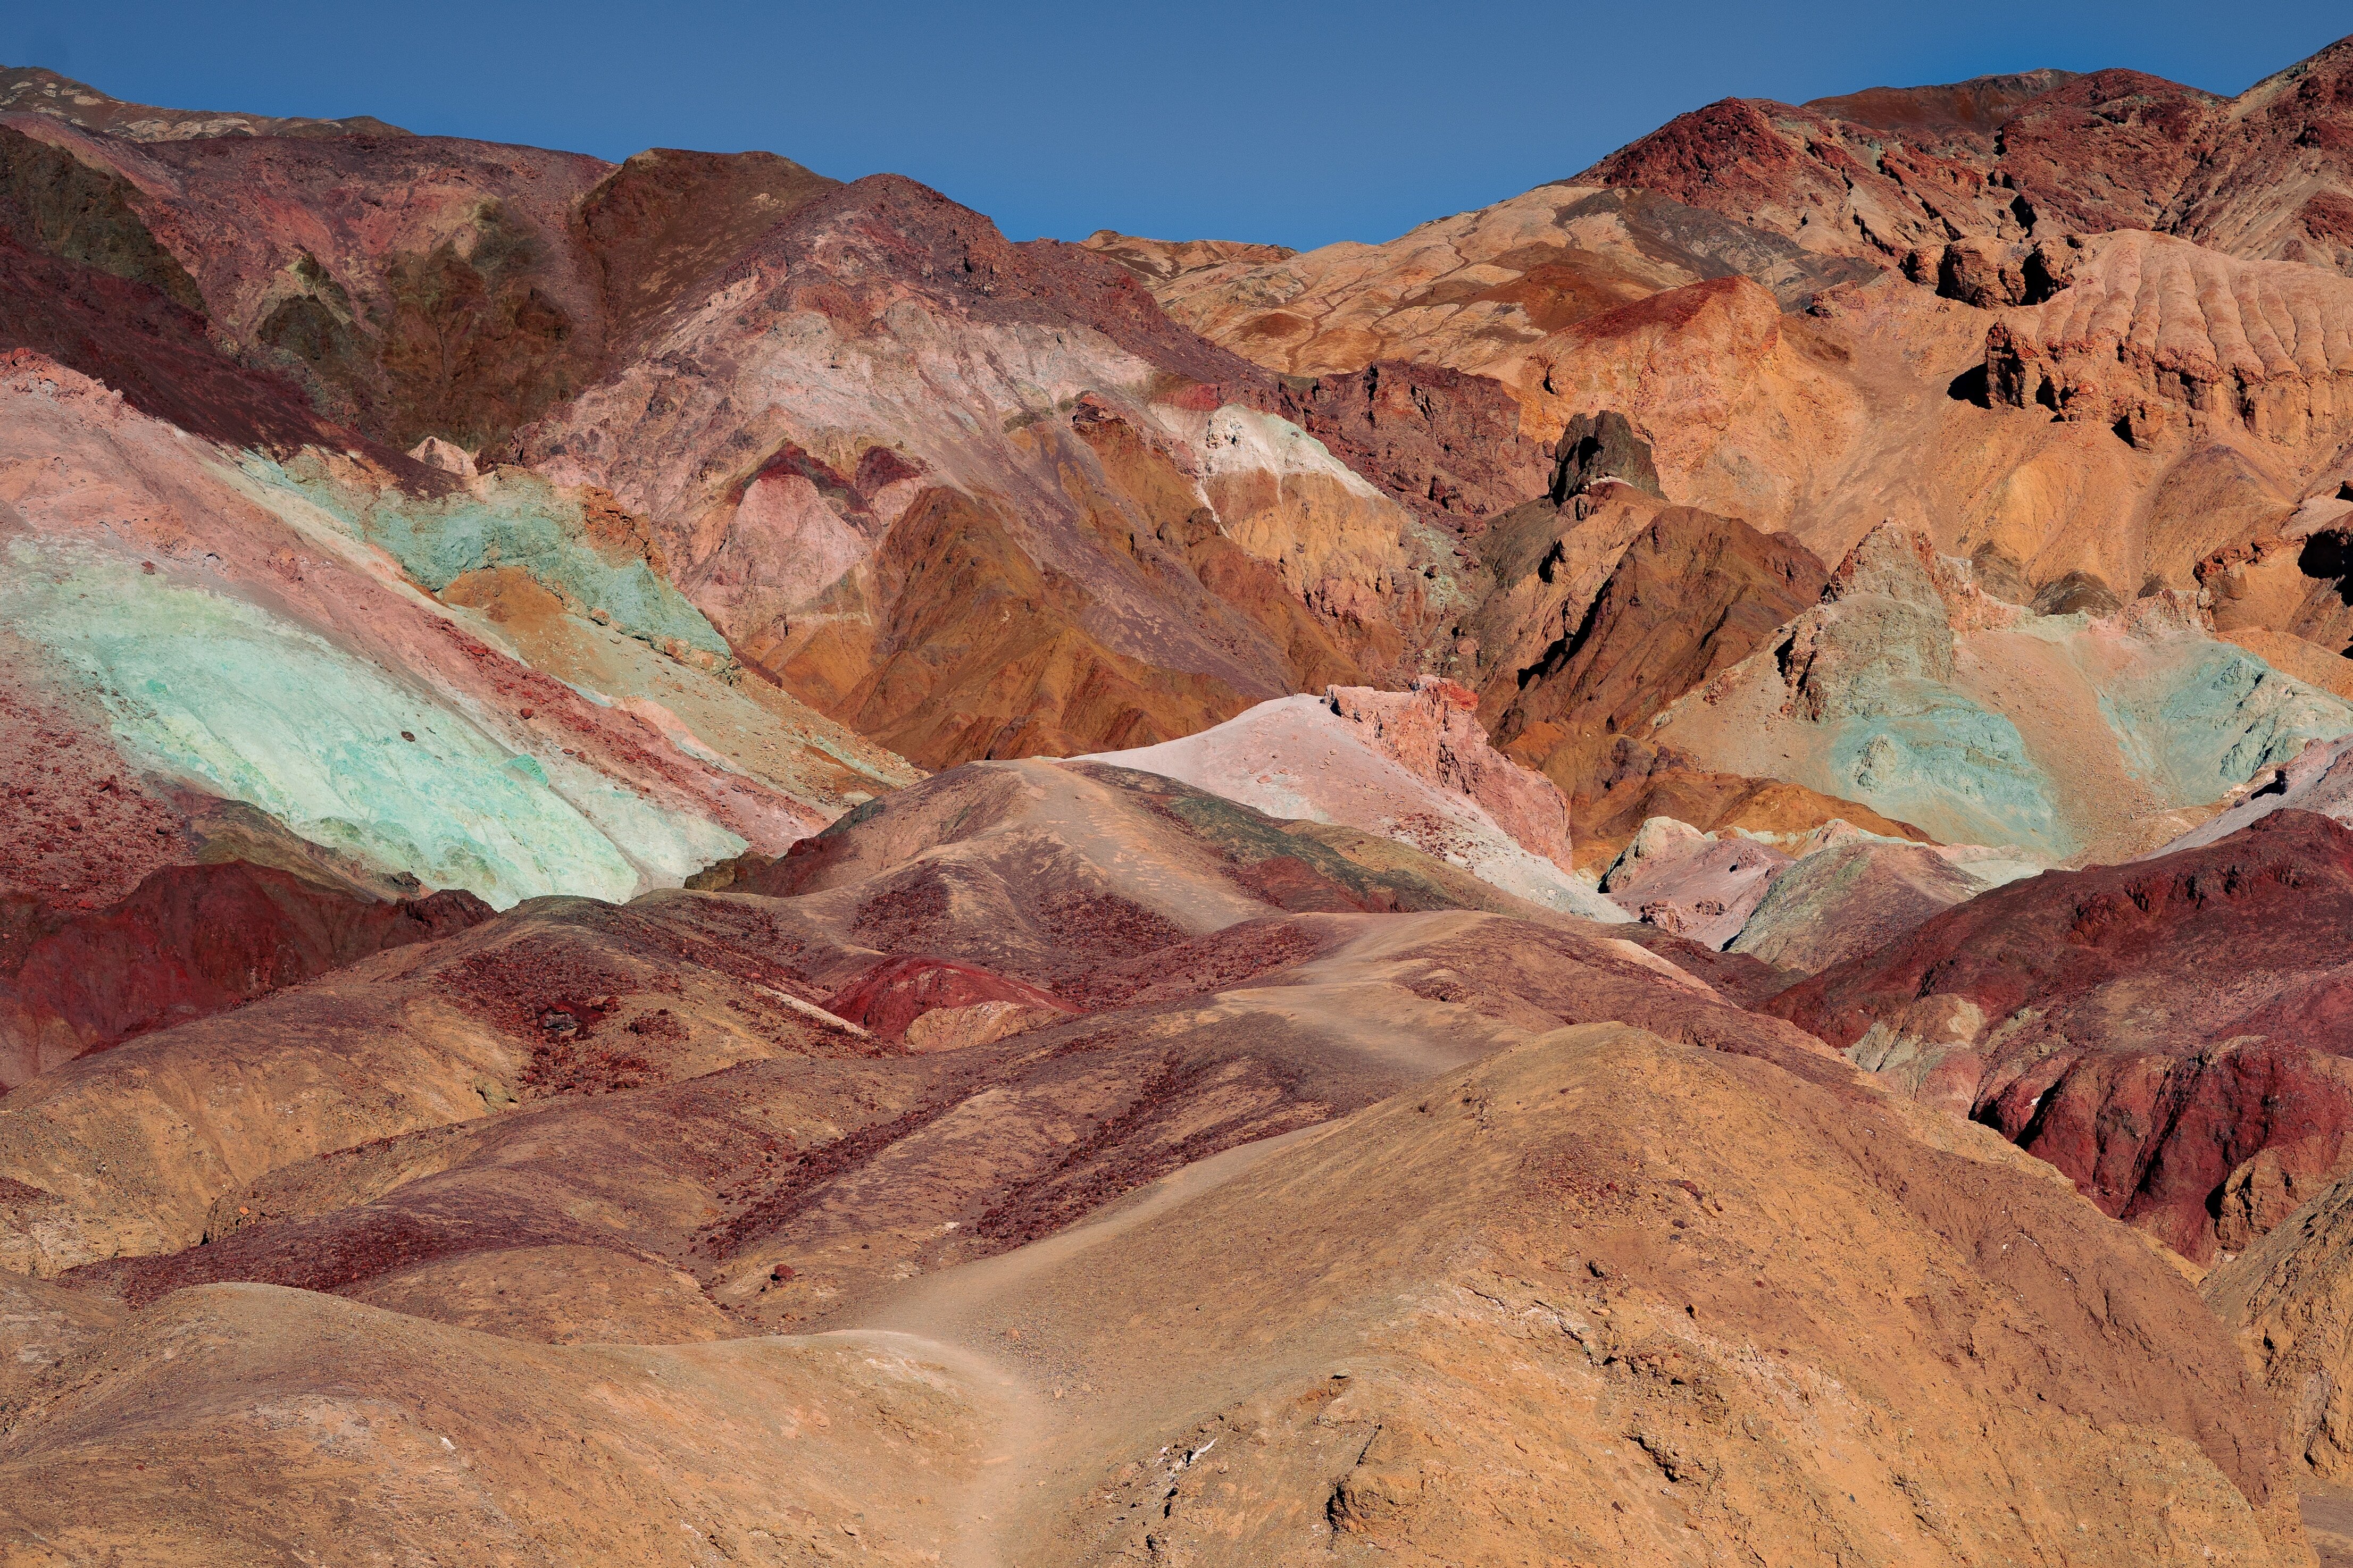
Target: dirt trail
957, 1317
1008, 1409
1059, 1383
1414, 1038
999, 1322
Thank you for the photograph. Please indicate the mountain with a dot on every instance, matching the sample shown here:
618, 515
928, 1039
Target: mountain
702, 864
30, 89
2263, 176
1973, 311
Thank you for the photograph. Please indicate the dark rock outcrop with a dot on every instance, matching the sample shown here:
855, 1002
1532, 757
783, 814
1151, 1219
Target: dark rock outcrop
1597, 447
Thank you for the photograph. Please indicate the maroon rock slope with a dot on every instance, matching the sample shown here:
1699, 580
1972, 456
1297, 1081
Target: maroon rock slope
2171, 1034
188, 941
890, 997
1445, 442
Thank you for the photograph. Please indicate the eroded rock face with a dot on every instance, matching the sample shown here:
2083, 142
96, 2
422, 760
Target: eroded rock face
1597, 614
414, 287
1446, 444
2166, 341
88, 285
1695, 885
1853, 186
492, 283
2285, 596
941, 1005
2316, 779
1121, 536
1477, 289
1593, 447
1850, 897
1433, 731
1637, 783
2278, 185
451, 304
1414, 766
2261, 176
1795, 901
666, 219
1990, 274
2288, 1300
2030, 1008
1693, 593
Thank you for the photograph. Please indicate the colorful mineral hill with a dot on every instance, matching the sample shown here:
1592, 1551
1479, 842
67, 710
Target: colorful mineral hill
2030, 1010
699, 863
1914, 691
216, 627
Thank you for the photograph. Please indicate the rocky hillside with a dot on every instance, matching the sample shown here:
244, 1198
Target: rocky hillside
580, 1150
702, 864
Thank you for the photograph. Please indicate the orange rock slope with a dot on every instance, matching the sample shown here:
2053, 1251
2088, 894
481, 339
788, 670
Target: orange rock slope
1757, 287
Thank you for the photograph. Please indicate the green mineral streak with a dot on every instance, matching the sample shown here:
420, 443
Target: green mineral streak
666, 847
1447, 593
1929, 756
2192, 718
509, 520
211, 690
2205, 717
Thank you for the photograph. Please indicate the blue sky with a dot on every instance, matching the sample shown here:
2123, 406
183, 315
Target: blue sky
1297, 123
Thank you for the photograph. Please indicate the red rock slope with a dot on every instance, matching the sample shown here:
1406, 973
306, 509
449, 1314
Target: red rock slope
188, 941
2172, 1034
2266, 175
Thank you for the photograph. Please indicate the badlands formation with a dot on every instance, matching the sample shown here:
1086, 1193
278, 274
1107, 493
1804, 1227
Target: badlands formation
702, 865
